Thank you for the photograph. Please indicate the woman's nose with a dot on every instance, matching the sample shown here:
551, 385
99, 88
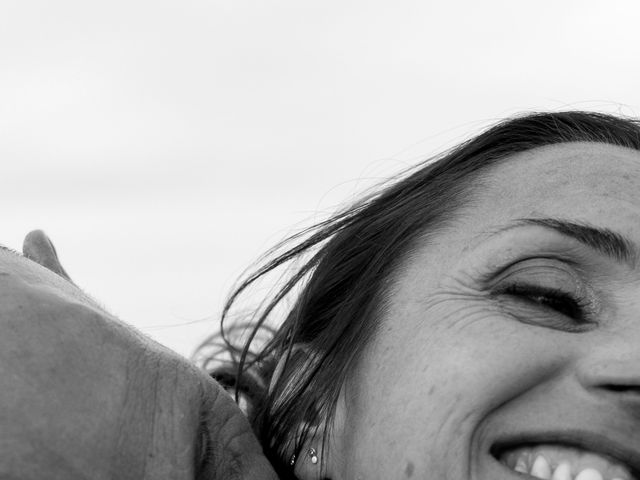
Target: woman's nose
612, 374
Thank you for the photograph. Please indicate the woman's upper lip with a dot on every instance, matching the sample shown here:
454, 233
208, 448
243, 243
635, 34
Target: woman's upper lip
616, 448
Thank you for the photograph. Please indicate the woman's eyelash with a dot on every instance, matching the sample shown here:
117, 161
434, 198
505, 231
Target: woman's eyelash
561, 301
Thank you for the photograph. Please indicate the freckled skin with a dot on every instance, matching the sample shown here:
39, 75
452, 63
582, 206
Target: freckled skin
408, 471
452, 369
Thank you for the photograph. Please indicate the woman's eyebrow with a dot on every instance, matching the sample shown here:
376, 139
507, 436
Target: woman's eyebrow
606, 242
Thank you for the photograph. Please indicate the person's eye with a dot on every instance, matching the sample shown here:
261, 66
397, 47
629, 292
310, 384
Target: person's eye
576, 308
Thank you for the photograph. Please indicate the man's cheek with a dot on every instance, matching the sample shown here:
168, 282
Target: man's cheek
164, 416
56, 415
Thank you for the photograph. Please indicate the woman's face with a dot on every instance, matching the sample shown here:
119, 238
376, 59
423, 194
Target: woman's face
466, 382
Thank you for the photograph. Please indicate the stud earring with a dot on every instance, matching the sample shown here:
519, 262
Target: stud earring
313, 455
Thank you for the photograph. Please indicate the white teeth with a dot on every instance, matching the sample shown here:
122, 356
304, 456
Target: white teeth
521, 466
541, 469
553, 462
589, 474
562, 472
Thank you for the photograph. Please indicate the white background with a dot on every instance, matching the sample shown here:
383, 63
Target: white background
164, 145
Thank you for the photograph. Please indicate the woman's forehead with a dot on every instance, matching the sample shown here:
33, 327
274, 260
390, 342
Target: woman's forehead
572, 165
587, 181
588, 184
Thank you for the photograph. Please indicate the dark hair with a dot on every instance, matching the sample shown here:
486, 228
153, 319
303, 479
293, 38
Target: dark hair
343, 282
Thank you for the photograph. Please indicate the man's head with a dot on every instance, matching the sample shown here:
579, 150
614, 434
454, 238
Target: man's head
83, 395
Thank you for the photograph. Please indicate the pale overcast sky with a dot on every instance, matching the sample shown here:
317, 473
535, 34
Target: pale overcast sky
165, 145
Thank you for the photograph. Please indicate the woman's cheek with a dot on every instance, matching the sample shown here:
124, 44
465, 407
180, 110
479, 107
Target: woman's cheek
464, 345
491, 357
436, 370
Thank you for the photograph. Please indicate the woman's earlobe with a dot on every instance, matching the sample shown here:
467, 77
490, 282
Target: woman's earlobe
307, 465
302, 468
315, 461
311, 465
318, 461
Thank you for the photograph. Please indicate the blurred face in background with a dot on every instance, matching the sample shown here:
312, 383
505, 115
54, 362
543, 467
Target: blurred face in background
82, 395
512, 351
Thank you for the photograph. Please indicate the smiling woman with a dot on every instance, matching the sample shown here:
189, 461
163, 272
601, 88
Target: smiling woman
473, 318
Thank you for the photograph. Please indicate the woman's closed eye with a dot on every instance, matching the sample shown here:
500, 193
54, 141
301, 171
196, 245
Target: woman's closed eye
576, 308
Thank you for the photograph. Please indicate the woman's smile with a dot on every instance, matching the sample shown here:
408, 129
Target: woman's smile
524, 374
564, 462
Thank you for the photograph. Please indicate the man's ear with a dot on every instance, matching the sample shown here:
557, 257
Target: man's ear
38, 247
313, 456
